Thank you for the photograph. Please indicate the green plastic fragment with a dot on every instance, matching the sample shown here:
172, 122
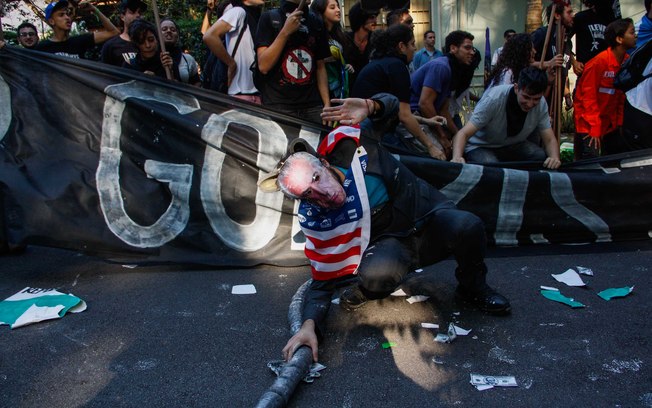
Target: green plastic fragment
611, 293
558, 297
388, 344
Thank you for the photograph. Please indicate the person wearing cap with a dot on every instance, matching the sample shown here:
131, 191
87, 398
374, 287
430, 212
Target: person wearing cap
58, 16
368, 220
119, 49
27, 35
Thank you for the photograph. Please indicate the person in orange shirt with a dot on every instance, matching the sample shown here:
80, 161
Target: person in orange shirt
598, 105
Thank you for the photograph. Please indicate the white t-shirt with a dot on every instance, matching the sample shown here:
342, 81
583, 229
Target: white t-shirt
243, 82
640, 96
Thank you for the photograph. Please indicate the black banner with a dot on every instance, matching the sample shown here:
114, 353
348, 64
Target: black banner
111, 162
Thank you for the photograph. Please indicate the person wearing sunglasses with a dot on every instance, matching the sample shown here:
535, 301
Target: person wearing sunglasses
27, 35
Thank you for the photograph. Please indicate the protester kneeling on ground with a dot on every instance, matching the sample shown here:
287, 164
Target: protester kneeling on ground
385, 220
502, 121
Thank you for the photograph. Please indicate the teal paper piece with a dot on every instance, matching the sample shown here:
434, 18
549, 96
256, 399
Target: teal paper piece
10, 311
611, 293
558, 297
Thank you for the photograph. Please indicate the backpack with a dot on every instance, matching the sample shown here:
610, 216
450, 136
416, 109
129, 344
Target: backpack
277, 24
215, 72
631, 72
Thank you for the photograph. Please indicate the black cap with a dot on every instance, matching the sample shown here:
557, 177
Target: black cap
133, 5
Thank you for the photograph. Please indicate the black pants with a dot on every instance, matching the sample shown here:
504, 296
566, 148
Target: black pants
447, 232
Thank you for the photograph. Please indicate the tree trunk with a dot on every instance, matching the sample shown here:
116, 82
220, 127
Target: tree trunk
533, 15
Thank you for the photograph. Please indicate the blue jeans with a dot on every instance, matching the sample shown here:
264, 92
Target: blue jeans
446, 232
524, 151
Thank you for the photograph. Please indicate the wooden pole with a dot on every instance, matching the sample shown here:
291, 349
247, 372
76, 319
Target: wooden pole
547, 41
161, 43
559, 84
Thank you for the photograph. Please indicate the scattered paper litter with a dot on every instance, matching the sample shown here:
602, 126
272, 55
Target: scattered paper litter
556, 296
460, 331
335, 301
418, 270
417, 298
549, 288
485, 382
448, 337
243, 289
398, 292
584, 271
611, 293
430, 325
130, 266
33, 305
570, 278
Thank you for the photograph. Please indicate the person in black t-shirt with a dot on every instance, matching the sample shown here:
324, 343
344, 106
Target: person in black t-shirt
120, 49
358, 47
387, 72
291, 46
58, 16
149, 59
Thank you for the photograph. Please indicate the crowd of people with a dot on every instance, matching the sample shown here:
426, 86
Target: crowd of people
368, 220
296, 61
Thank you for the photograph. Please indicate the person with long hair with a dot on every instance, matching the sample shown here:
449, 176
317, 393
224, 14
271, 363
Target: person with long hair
336, 67
236, 26
393, 50
518, 53
184, 64
149, 59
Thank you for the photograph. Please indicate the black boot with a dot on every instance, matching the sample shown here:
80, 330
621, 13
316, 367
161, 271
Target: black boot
473, 289
485, 299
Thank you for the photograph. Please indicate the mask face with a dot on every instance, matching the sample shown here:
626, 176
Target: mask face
316, 183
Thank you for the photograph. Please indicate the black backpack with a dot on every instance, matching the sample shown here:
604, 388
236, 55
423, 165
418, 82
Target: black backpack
631, 72
215, 72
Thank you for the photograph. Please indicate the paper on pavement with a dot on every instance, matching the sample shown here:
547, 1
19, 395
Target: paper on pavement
243, 289
32, 305
570, 278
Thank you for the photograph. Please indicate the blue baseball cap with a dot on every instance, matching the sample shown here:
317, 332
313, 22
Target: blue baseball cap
54, 6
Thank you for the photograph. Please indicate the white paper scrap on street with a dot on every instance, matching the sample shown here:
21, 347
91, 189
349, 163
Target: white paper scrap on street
549, 288
399, 292
243, 289
460, 331
430, 325
570, 278
417, 298
448, 337
584, 271
481, 381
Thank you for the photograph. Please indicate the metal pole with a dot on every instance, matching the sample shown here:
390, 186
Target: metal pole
295, 370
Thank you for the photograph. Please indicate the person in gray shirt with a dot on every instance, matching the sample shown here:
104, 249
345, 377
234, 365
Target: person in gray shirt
502, 121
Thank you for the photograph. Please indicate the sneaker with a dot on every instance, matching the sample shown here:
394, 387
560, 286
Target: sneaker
485, 299
352, 298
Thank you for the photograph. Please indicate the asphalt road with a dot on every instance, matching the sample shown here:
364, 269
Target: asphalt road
175, 336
